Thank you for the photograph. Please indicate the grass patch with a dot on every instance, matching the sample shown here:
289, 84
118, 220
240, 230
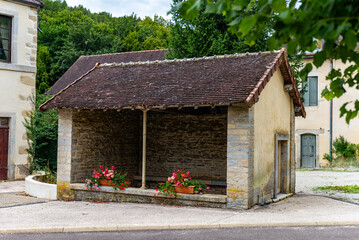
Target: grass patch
344, 189
324, 169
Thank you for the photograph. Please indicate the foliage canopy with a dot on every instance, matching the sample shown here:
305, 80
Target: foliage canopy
69, 32
298, 24
207, 35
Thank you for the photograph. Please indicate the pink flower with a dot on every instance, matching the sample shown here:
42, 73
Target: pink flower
101, 167
200, 188
196, 191
200, 193
85, 188
207, 188
113, 168
99, 189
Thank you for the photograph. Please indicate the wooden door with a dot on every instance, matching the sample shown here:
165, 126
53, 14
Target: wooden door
4, 145
308, 145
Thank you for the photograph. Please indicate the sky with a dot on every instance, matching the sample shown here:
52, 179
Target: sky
119, 8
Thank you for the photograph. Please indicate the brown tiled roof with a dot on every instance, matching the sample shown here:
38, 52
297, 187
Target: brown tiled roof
85, 63
207, 81
38, 3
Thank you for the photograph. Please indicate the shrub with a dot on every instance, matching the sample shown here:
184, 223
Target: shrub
344, 153
41, 133
343, 148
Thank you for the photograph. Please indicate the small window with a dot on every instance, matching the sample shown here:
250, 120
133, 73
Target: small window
4, 122
311, 94
5, 38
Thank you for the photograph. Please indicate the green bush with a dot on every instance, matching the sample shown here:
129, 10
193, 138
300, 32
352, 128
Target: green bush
343, 148
344, 153
41, 132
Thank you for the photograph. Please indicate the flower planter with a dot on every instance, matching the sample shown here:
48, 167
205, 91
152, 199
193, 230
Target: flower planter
104, 182
186, 190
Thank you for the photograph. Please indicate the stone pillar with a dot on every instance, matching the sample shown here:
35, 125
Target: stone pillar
240, 157
64, 155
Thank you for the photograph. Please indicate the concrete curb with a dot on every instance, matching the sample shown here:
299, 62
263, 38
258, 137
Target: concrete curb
173, 227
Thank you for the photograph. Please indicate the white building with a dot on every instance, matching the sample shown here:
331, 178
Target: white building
313, 132
18, 48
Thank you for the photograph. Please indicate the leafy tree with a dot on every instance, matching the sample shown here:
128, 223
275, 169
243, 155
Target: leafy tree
41, 132
69, 32
298, 23
44, 75
206, 35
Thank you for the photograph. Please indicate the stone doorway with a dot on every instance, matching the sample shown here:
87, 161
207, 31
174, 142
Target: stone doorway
281, 166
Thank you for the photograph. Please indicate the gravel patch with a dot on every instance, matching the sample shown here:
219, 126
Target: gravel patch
307, 180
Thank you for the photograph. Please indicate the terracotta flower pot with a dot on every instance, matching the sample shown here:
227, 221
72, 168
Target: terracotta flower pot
105, 182
182, 189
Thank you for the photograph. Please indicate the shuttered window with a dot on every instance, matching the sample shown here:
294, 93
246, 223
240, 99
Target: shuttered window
311, 94
5, 38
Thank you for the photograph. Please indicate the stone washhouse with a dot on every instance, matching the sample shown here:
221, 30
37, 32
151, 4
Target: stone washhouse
229, 120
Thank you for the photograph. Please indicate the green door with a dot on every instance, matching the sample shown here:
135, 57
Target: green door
308, 151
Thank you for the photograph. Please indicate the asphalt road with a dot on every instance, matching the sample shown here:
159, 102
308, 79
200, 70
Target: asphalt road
274, 233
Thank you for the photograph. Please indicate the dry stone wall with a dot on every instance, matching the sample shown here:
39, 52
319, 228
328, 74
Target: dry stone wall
196, 143
106, 138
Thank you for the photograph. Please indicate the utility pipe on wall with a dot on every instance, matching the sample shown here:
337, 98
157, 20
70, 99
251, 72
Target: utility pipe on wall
331, 121
144, 143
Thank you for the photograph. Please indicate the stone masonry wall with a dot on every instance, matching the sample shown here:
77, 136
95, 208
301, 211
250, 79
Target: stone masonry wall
31, 36
107, 138
195, 143
240, 157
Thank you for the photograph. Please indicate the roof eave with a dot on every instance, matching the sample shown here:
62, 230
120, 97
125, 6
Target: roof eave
29, 3
280, 60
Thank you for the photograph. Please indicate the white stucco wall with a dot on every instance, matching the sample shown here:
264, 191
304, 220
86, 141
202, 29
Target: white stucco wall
17, 81
317, 120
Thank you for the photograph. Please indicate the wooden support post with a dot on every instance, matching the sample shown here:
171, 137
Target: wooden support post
144, 132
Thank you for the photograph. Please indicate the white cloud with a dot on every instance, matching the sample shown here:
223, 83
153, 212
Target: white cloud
119, 8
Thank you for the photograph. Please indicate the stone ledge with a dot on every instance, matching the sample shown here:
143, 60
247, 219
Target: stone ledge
17, 68
210, 198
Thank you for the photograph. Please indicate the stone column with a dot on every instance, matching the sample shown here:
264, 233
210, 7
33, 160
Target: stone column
64, 155
240, 157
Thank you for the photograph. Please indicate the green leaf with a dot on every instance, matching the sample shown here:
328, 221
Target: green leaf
278, 5
328, 95
247, 24
350, 39
343, 109
292, 47
319, 58
284, 15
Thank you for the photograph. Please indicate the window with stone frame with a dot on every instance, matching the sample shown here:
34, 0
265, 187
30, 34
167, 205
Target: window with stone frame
311, 94
5, 38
